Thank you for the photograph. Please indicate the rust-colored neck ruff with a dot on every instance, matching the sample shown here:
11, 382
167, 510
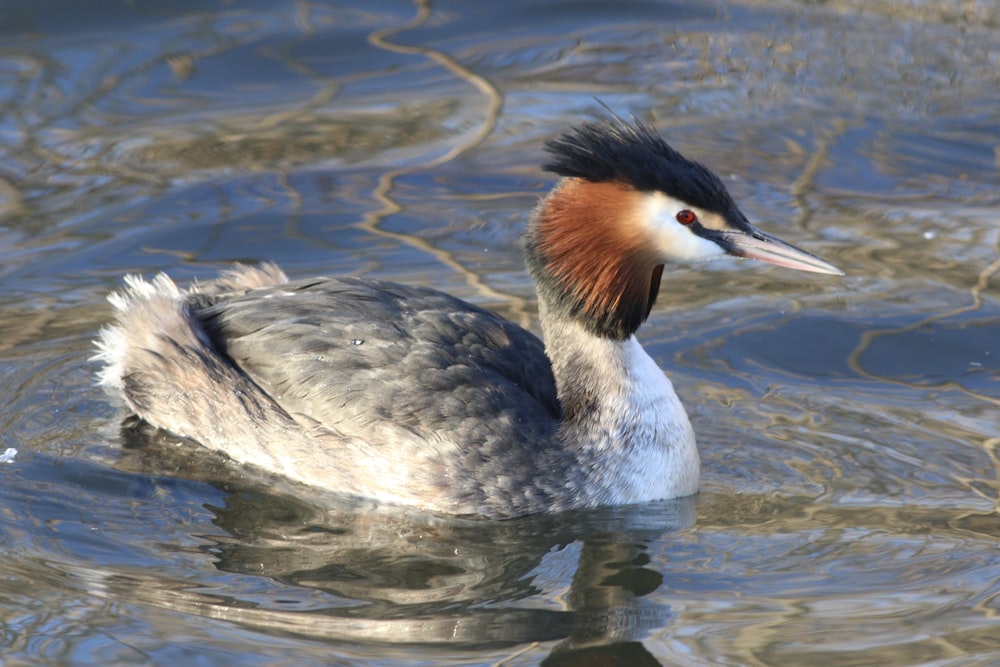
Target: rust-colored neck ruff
591, 257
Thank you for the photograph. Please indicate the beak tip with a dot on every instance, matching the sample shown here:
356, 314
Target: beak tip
830, 270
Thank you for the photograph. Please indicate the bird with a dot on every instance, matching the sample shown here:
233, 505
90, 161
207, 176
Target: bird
409, 397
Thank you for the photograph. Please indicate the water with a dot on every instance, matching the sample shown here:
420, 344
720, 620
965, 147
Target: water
848, 427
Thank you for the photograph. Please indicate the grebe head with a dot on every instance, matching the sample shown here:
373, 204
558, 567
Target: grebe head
627, 204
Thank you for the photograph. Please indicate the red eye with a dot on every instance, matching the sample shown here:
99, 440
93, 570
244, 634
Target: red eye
687, 217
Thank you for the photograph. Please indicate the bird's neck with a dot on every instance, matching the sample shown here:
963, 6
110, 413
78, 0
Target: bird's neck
597, 277
620, 413
590, 257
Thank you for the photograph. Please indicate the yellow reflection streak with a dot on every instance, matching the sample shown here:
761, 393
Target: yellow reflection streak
383, 190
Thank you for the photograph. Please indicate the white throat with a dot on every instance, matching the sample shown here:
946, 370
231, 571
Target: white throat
622, 416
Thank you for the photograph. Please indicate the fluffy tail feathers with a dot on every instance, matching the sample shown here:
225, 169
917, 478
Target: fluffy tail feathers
159, 357
143, 311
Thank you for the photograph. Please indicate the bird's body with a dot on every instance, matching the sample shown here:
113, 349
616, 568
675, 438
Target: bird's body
410, 396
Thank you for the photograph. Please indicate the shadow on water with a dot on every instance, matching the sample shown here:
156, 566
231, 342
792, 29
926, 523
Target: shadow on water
409, 578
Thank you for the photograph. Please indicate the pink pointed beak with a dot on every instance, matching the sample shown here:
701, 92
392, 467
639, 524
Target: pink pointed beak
755, 244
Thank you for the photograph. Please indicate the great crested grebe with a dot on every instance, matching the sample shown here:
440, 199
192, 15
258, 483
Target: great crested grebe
407, 395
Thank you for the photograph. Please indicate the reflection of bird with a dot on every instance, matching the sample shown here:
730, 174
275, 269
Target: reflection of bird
411, 396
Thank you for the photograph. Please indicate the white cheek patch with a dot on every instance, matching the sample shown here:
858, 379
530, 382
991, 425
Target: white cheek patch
673, 240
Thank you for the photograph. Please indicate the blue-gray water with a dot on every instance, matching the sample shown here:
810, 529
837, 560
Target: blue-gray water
849, 428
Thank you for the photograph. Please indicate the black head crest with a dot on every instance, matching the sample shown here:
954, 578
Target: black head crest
613, 149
